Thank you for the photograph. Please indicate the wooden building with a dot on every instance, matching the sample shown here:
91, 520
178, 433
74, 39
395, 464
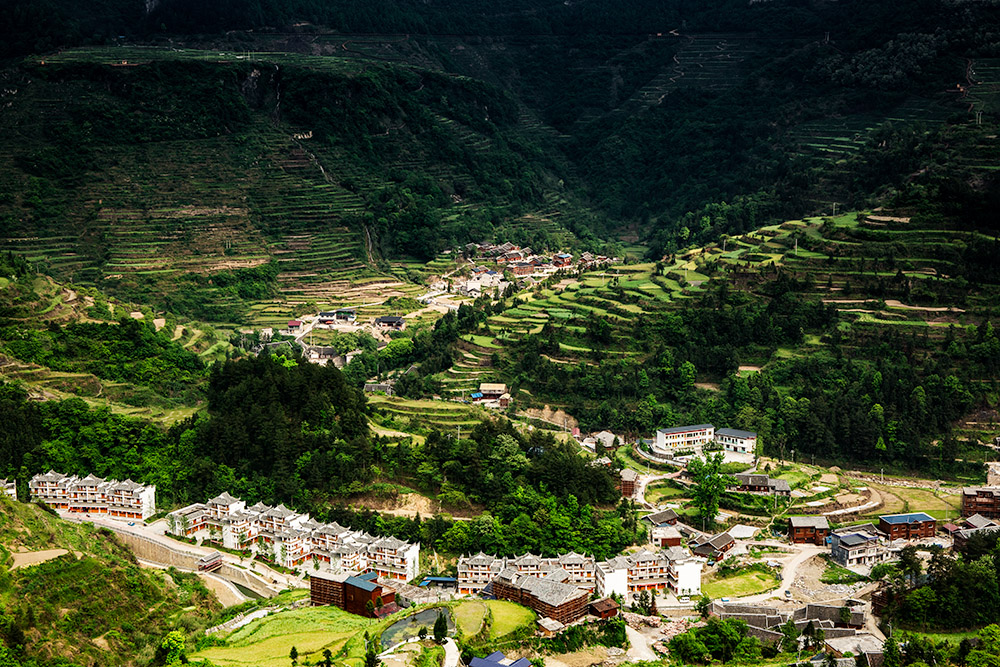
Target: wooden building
546, 596
984, 500
912, 526
605, 608
352, 593
628, 479
808, 529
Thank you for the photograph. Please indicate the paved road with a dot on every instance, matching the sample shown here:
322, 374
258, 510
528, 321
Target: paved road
451, 653
639, 649
788, 571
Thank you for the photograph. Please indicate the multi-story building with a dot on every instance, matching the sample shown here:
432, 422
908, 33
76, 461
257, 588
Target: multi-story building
858, 546
984, 500
51, 488
735, 440
548, 596
912, 526
294, 540
93, 495
674, 568
628, 480
8, 488
808, 529
130, 500
679, 439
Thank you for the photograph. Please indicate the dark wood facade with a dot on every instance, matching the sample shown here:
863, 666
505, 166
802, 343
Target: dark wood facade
907, 526
565, 613
983, 500
352, 594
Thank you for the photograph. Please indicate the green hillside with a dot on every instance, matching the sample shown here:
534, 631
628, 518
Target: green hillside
86, 600
178, 177
827, 335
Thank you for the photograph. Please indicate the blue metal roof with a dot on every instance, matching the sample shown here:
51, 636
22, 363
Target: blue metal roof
363, 584
478, 394
912, 517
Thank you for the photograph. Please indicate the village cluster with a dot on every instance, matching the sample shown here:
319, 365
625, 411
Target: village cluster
294, 540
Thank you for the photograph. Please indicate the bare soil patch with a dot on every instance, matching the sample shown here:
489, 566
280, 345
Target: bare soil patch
547, 414
28, 558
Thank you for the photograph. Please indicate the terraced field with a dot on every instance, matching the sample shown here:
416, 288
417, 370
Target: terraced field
152, 212
416, 415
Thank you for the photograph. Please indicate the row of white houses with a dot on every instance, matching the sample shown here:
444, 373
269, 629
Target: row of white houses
674, 568
126, 500
294, 540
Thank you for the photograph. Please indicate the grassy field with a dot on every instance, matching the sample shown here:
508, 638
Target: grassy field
749, 582
269, 640
469, 616
657, 493
508, 617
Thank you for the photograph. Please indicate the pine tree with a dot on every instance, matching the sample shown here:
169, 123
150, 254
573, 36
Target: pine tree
440, 628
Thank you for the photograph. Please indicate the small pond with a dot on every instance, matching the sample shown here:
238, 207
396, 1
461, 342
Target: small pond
408, 627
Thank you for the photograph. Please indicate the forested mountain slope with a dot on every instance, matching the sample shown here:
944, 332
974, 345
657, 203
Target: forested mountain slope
301, 144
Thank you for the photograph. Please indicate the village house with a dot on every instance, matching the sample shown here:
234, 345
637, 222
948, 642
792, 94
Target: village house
498, 659
92, 495
491, 391
361, 595
8, 488
562, 260
759, 484
858, 546
345, 314
604, 608
294, 325
974, 525
521, 269
664, 537
393, 322
735, 440
911, 526
326, 317
665, 517
808, 529
712, 547
984, 500
628, 480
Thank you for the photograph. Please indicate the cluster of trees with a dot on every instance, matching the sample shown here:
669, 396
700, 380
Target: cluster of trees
722, 640
961, 591
130, 351
281, 430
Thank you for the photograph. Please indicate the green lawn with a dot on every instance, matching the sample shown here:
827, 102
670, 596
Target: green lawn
508, 617
657, 493
749, 582
268, 641
469, 616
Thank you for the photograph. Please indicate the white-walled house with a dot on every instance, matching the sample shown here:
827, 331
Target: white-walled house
735, 440
92, 495
675, 439
8, 488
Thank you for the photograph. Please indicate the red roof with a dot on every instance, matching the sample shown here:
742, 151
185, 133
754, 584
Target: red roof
294, 323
